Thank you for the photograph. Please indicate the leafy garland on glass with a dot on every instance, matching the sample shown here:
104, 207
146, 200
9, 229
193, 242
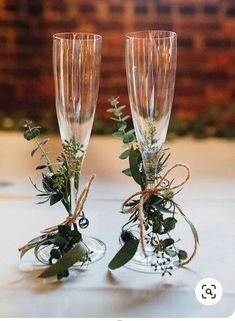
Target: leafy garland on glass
64, 242
153, 211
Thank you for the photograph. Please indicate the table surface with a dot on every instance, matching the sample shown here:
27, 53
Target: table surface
208, 199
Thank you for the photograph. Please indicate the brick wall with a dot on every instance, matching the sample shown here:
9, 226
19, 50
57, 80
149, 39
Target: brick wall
206, 49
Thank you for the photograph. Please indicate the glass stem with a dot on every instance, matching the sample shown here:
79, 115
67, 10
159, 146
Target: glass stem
149, 167
73, 194
73, 199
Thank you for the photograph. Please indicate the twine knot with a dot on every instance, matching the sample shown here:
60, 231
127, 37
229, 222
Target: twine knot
146, 194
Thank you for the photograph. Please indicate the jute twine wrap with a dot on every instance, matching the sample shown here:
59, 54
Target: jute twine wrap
146, 194
71, 218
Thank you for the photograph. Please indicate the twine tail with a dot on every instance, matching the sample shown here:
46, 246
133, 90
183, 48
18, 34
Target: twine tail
195, 236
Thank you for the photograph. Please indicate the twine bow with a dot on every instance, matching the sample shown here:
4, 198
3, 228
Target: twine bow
144, 197
71, 218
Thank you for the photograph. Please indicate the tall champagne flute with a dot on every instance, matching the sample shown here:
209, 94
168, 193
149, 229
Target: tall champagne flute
150, 70
76, 65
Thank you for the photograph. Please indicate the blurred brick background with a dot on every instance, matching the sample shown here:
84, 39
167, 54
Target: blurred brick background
206, 51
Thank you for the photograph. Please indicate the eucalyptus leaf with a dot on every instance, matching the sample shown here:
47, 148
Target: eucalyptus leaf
134, 166
74, 255
128, 138
34, 151
125, 118
167, 242
122, 127
169, 224
127, 172
121, 107
111, 110
124, 255
125, 154
115, 119
171, 253
182, 255
43, 142
44, 201
64, 230
32, 133
42, 166
47, 182
76, 236
114, 101
60, 241
55, 198
117, 134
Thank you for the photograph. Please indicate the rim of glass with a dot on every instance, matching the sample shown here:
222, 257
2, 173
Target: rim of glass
62, 36
167, 34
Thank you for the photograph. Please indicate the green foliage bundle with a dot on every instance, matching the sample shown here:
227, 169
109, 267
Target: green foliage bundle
159, 211
64, 242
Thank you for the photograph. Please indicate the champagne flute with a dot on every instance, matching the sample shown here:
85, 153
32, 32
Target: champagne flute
76, 65
150, 70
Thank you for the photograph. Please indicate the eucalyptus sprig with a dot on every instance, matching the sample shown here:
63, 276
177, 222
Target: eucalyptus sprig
65, 243
159, 211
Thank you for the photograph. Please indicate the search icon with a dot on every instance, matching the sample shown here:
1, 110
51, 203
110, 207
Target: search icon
208, 291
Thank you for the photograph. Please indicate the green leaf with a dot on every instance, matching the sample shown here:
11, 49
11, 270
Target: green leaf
169, 224
41, 166
117, 113
43, 142
157, 226
127, 236
116, 119
55, 198
122, 127
55, 254
60, 241
124, 255
167, 242
121, 107
134, 166
64, 230
47, 182
113, 101
117, 134
171, 253
31, 133
127, 172
44, 201
182, 255
128, 138
74, 255
76, 236
125, 118
124, 154
34, 151
111, 110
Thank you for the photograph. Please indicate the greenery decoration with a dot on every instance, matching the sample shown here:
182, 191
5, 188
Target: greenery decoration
153, 211
63, 242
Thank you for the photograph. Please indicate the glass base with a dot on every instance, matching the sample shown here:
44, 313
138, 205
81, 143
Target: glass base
96, 247
153, 263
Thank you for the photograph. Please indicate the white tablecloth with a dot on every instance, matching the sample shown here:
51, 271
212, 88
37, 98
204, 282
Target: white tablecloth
208, 199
